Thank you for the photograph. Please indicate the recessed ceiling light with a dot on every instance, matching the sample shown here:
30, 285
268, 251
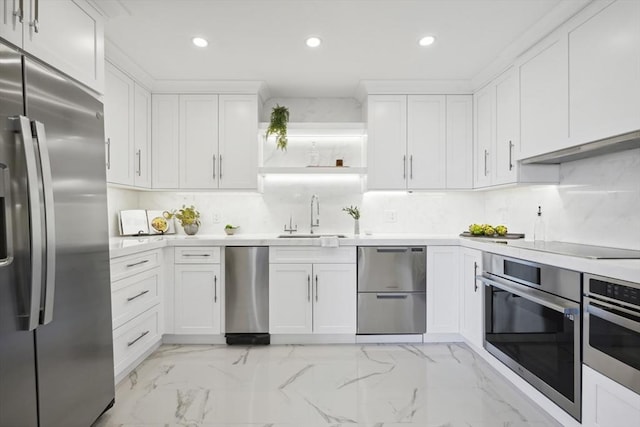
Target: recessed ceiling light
200, 42
313, 42
427, 41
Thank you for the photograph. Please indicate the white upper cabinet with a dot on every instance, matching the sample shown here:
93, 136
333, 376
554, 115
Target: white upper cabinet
66, 34
238, 143
507, 128
199, 141
118, 126
413, 141
205, 141
127, 111
544, 106
604, 73
484, 101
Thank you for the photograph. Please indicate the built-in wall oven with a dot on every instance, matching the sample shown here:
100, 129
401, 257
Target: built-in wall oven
612, 329
533, 325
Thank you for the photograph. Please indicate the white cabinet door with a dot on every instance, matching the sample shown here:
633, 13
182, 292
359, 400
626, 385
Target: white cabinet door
544, 100
442, 289
426, 141
238, 142
197, 299
165, 152
606, 403
387, 142
69, 35
142, 137
604, 73
507, 128
290, 303
471, 297
484, 105
199, 141
459, 167
10, 25
334, 298
118, 126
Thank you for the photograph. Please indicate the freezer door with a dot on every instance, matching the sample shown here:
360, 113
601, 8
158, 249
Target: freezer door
74, 341
391, 313
392, 269
18, 405
247, 290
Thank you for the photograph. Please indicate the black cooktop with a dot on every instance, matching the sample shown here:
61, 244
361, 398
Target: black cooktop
577, 250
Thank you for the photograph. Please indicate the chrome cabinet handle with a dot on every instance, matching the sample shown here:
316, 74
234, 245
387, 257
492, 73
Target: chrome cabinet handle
108, 153
137, 296
204, 255
220, 165
215, 288
142, 335
36, 21
486, 153
411, 166
404, 166
137, 263
49, 220
214, 167
475, 273
308, 287
36, 237
392, 296
139, 156
19, 13
510, 155
316, 288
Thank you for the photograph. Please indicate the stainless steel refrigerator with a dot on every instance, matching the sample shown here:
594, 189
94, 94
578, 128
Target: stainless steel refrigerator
56, 349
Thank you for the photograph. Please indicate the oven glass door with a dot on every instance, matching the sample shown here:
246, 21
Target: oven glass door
540, 339
614, 331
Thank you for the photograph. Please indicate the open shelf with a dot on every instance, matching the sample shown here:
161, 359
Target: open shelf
324, 129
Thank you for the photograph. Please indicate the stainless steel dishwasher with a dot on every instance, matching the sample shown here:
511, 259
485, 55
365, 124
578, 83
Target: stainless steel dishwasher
247, 294
392, 290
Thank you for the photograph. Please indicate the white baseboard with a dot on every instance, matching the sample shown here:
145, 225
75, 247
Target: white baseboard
312, 339
442, 338
193, 339
388, 339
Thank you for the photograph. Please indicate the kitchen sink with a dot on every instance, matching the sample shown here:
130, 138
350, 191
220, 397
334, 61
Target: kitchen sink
309, 236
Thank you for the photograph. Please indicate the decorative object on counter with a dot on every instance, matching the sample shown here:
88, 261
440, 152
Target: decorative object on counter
230, 229
158, 224
278, 126
189, 218
314, 155
355, 214
133, 222
488, 230
507, 236
339, 163
538, 227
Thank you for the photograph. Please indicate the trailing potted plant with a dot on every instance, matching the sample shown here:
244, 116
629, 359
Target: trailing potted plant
354, 212
189, 218
278, 126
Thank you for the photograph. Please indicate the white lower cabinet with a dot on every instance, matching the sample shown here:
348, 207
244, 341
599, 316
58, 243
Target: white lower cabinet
605, 403
197, 291
136, 290
307, 297
471, 297
442, 289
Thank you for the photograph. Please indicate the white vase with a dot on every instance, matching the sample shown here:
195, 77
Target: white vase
356, 227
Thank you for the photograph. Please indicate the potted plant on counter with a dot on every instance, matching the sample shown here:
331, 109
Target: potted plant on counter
189, 218
354, 212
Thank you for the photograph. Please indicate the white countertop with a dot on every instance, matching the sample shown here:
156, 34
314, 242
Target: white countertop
617, 268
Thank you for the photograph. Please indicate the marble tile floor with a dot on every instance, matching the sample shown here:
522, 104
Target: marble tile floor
389, 385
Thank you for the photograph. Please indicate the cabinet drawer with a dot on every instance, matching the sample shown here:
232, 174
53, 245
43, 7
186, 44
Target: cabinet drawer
133, 295
311, 254
135, 337
126, 266
197, 255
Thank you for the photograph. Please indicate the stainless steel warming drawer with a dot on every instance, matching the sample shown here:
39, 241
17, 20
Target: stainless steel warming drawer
392, 290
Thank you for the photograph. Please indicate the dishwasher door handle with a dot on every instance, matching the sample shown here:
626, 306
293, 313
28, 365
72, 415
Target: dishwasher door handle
392, 250
392, 296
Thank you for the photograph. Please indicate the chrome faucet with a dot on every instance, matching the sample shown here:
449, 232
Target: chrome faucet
315, 223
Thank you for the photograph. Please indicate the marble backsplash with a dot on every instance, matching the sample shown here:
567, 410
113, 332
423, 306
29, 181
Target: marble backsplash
597, 202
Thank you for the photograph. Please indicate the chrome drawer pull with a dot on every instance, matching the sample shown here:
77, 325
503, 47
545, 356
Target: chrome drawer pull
196, 254
142, 335
144, 261
137, 296
392, 296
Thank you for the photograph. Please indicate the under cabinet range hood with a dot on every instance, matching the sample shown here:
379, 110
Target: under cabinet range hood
625, 141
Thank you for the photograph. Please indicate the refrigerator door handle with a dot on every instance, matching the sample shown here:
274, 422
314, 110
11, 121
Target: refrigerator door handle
35, 238
7, 243
50, 223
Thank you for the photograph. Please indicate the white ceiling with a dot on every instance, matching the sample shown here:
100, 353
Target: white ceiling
362, 39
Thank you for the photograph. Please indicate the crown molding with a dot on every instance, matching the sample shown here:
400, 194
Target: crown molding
412, 87
120, 60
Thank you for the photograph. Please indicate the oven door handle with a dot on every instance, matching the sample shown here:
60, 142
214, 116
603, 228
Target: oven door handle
556, 304
611, 317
